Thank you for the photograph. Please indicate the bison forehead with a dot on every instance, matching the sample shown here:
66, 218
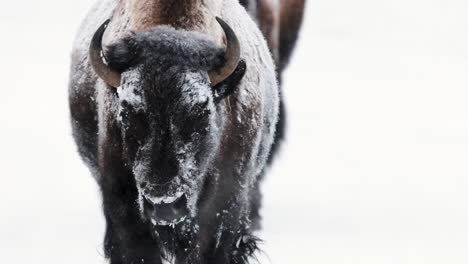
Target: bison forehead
166, 45
187, 89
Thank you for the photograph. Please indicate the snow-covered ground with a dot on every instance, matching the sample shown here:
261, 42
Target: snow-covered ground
375, 169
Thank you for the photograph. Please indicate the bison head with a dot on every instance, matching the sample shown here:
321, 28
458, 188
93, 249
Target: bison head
169, 84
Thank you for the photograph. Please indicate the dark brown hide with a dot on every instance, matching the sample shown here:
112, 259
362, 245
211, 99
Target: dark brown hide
268, 21
280, 24
292, 12
187, 14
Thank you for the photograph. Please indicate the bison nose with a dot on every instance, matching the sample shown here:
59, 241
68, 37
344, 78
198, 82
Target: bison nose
166, 211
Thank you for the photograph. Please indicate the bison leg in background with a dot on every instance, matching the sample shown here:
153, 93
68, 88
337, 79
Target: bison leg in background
291, 15
280, 23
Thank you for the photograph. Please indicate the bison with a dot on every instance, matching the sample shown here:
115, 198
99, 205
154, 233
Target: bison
174, 106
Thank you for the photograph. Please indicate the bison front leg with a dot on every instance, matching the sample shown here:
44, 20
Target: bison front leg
232, 237
234, 242
127, 240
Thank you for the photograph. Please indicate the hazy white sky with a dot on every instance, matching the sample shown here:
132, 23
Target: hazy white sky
374, 171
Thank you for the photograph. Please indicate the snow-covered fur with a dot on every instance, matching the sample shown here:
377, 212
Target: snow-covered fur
280, 22
164, 131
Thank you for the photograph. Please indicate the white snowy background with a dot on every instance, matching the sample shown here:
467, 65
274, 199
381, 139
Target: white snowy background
375, 169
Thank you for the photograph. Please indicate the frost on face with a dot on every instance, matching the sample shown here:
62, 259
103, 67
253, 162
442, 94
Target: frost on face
130, 92
194, 89
185, 183
168, 223
166, 199
189, 172
192, 154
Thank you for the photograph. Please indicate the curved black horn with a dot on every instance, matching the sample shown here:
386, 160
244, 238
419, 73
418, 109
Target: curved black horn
231, 55
98, 58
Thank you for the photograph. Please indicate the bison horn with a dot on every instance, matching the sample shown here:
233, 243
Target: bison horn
98, 59
231, 55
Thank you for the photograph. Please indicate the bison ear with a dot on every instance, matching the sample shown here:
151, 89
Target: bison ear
229, 85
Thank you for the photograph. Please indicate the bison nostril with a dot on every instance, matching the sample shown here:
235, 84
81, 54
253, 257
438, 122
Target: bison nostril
181, 203
148, 204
